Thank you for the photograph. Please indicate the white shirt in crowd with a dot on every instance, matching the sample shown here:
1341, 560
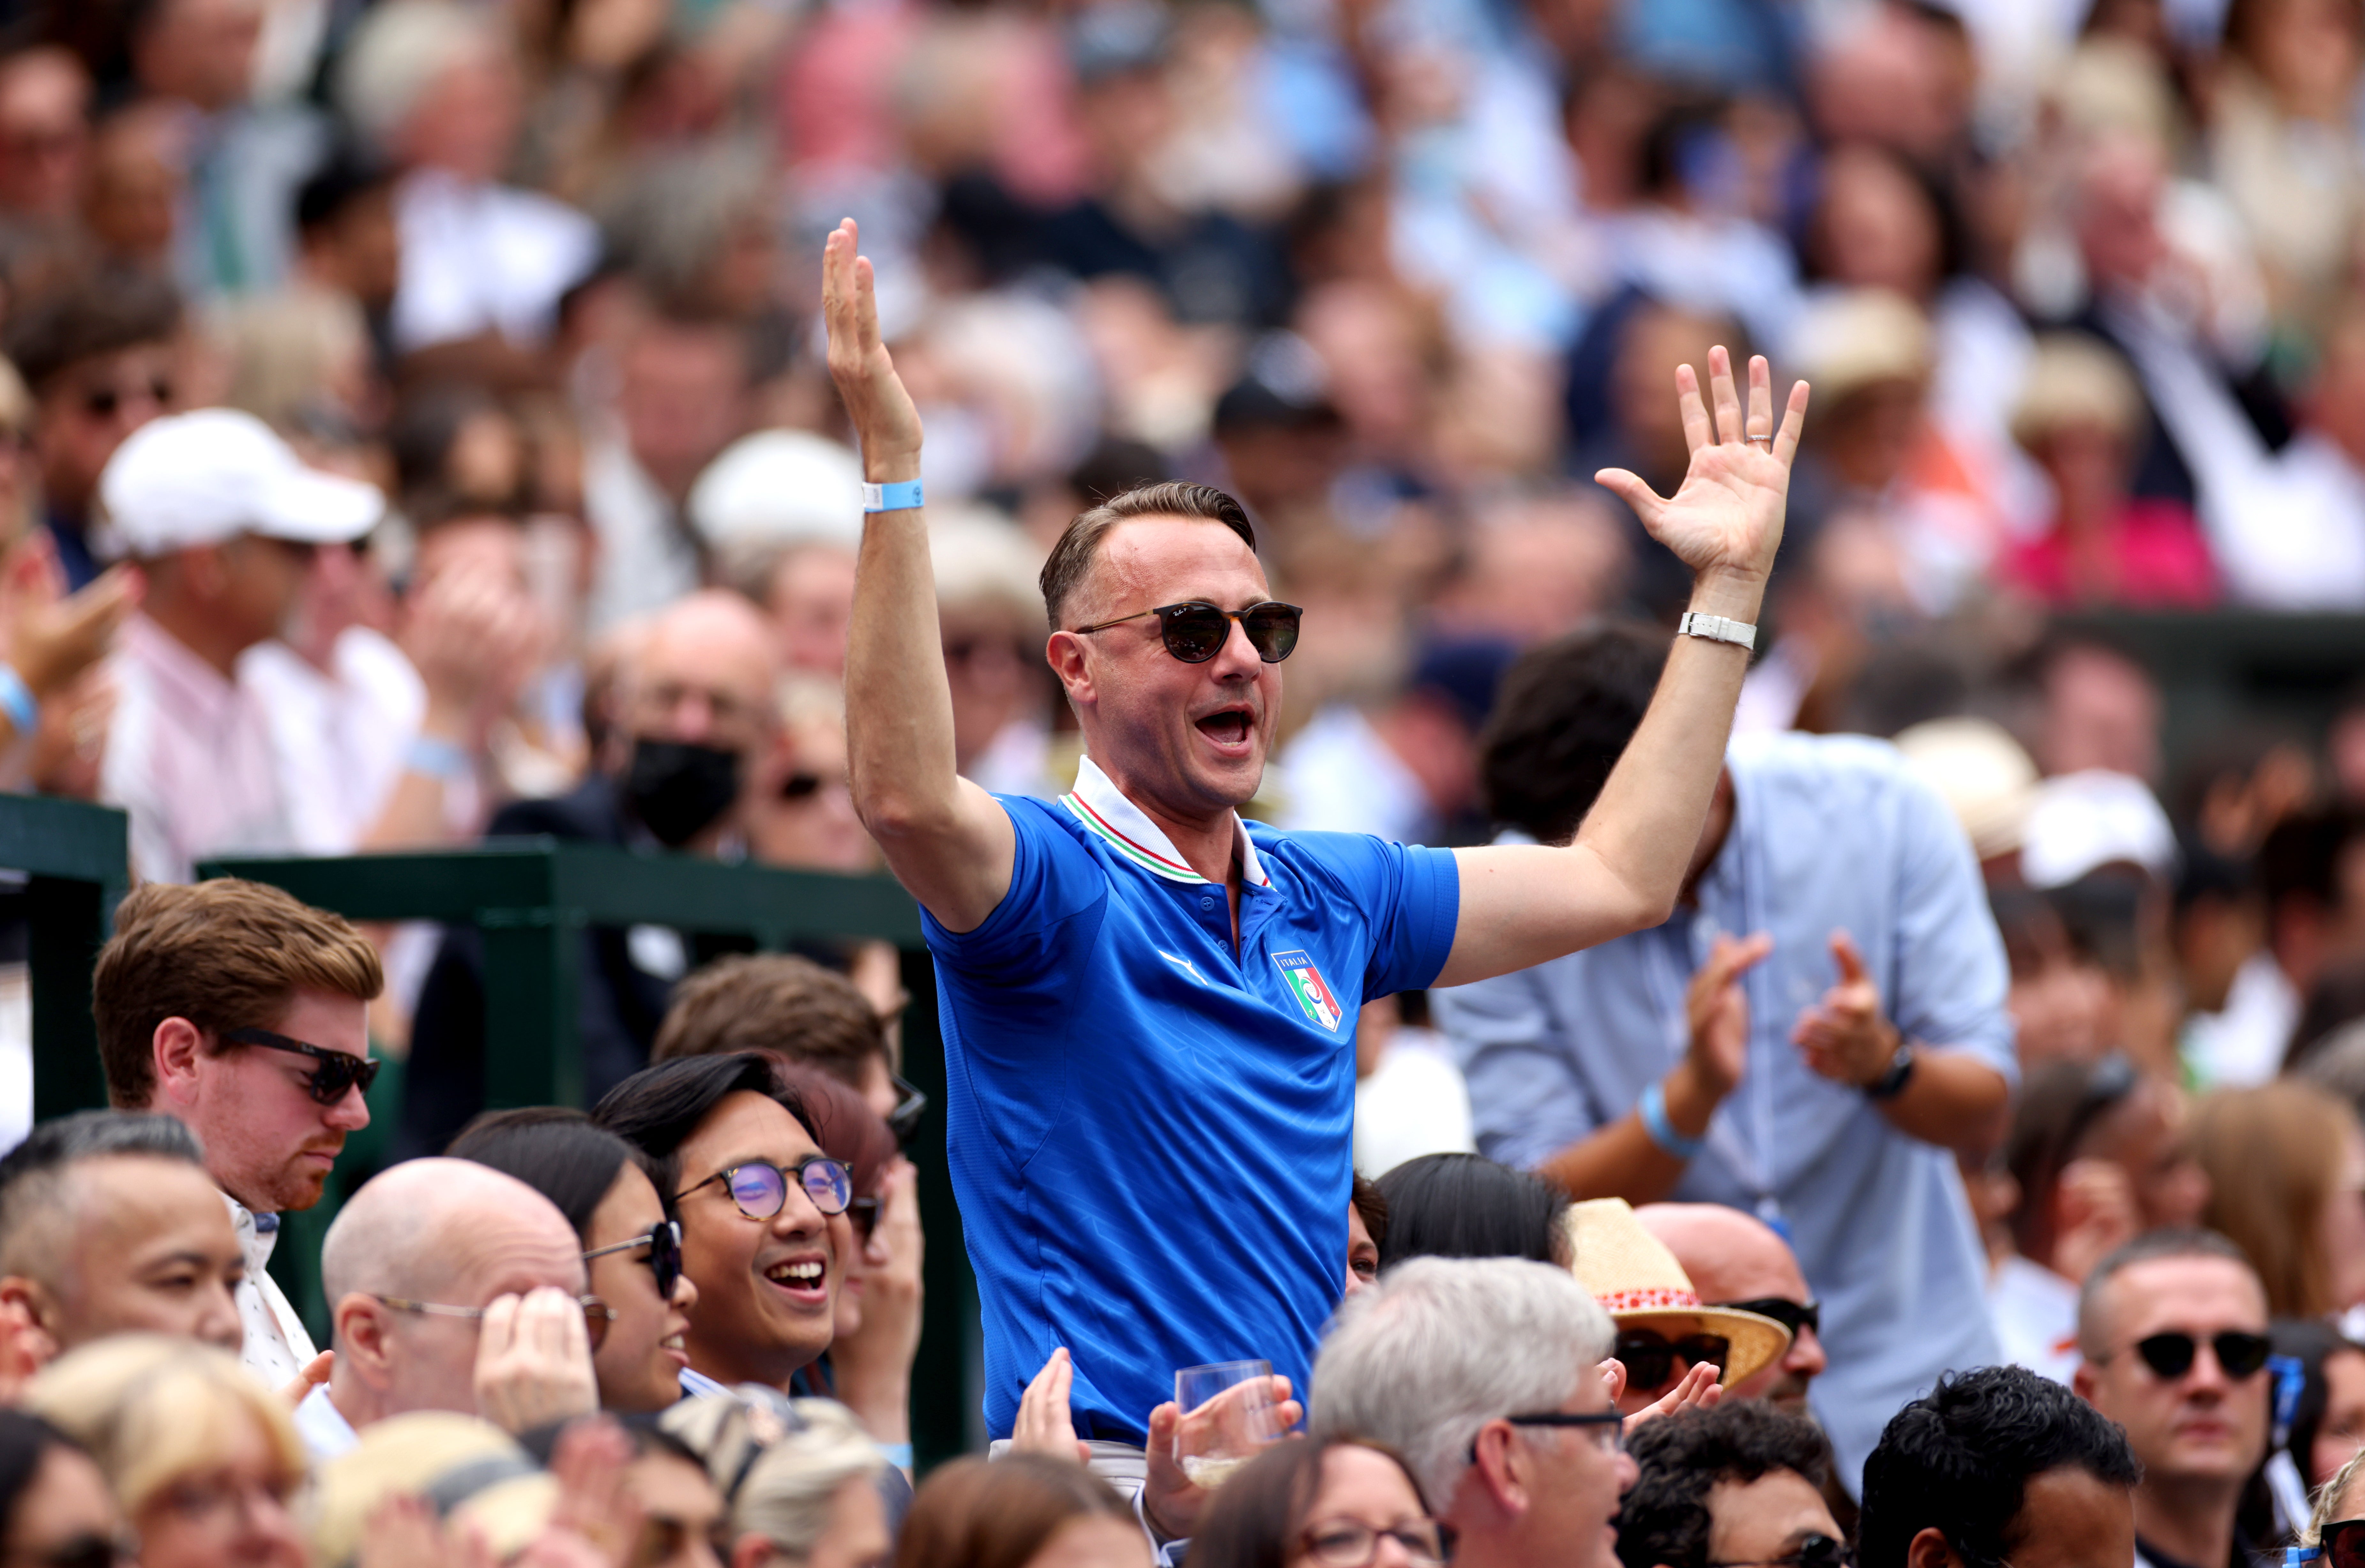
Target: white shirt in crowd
2036, 1314
2242, 1045
277, 1347
1413, 1104
342, 736
647, 556
323, 1427
480, 258
1338, 776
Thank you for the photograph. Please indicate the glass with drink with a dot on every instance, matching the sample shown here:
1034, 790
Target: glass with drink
1227, 1418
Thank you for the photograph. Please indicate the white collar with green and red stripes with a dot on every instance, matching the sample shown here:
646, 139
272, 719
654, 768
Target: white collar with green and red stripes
1124, 827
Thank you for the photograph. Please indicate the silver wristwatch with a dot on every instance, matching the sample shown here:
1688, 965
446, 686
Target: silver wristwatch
1717, 628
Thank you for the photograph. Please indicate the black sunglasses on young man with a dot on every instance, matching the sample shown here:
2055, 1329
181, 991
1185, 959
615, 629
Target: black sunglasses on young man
2171, 1355
664, 1242
1650, 1358
2340, 1544
1814, 1551
337, 1071
1197, 632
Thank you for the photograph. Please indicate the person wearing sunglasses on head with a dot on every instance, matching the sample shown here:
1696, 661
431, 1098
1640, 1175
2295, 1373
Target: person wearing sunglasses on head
1134, 945
246, 1014
631, 1241
1998, 1466
2172, 1329
1753, 1477
454, 1286
765, 1233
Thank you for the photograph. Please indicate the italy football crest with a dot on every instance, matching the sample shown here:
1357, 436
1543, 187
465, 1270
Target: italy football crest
1313, 993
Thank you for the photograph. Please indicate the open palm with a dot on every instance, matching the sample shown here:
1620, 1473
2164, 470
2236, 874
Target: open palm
1727, 514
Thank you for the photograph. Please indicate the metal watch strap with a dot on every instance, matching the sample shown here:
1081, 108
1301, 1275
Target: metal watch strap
1718, 629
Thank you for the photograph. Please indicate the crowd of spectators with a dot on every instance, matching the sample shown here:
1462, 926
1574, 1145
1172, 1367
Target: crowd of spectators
415, 428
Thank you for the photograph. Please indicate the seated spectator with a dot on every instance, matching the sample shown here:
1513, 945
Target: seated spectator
681, 1519
2312, 1435
110, 1224
2342, 1500
780, 1003
202, 1459
814, 1493
100, 355
1463, 1206
631, 1244
418, 1487
55, 1505
1367, 1228
452, 1287
2079, 415
1999, 1465
1668, 1342
2286, 1164
1022, 1509
1340, 1500
1736, 1484
244, 1013
695, 713
1480, 1374
223, 520
2173, 1330
1739, 1261
764, 1230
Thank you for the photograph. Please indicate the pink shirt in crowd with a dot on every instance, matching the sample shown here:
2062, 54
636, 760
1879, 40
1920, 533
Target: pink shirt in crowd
2157, 558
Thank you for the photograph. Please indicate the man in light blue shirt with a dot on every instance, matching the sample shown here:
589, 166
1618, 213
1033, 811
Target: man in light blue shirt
1809, 1036
1148, 1007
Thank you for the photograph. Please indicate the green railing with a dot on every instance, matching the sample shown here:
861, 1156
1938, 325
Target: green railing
76, 860
533, 900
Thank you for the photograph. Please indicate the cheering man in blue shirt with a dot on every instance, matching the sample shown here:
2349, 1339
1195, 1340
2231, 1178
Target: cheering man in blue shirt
1148, 1006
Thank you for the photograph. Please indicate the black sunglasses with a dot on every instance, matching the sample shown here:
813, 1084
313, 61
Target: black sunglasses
664, 1242
1613, 1425
1815, 1552
1651, 1358
91, 1551
105, 402
1791, 1315
337, 1071
910, 1106
2171, 1355
2340, 1544
1197, 632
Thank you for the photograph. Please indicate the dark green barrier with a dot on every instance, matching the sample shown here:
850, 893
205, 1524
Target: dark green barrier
77, 863
532, 899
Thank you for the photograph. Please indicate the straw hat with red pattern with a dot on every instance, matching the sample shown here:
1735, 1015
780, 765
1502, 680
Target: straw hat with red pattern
1638, 1282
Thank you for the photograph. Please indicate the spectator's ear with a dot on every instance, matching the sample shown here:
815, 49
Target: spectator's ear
178, 1046
28, 1325
2083, 1383
1930, 1548
360, 1325
1501, 1469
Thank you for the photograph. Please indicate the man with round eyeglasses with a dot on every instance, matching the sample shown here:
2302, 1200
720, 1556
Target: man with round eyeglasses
1148, 1005
2173, 1330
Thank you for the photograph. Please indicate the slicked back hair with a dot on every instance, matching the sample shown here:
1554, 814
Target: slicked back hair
34, 1177
1664, 1518
1959, 1460
1072, 558
660, 1108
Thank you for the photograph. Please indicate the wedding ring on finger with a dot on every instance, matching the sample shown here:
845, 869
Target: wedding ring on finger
1765, 441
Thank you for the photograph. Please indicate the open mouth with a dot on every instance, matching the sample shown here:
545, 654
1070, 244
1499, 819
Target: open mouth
673, 1345
1228, 726
800, 1276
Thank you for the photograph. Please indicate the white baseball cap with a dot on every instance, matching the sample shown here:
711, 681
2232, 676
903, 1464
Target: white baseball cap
779, 487
203, 478
2081, 821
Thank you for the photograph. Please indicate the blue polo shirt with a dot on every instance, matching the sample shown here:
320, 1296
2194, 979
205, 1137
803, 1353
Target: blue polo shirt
1150, 1133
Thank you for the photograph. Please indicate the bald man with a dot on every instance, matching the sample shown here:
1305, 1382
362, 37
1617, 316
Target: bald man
456, 1288
1737, 1260
694, 716
109, 1224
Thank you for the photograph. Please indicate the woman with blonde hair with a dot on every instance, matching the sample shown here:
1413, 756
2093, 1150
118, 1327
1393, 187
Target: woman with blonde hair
202, 1458
801, 1477
2286, 1163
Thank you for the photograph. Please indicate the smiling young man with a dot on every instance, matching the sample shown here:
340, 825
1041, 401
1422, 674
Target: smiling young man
246, 1014
1149, 1008
764, 1227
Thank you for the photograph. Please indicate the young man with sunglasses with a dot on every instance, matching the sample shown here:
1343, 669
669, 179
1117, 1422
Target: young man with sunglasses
454, 1286
1149, 1008
1737, 1485
244, 1013
1994, 1467
2173, 1330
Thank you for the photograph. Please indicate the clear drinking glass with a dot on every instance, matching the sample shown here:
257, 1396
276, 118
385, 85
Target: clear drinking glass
1227, 1418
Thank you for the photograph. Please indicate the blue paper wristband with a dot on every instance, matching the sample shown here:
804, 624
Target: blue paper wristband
1654, 1110
903, 495
897, 1454
441, 759
16, 700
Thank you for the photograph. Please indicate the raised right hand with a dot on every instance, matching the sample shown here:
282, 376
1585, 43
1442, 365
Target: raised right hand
886, 421
1717, 1011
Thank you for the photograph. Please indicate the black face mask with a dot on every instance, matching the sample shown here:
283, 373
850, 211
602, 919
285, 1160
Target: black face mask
678, 789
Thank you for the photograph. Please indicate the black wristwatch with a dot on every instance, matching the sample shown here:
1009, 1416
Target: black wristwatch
1891, 1083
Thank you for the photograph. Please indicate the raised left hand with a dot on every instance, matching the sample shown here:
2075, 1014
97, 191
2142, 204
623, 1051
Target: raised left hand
1845, 1037
1726, 517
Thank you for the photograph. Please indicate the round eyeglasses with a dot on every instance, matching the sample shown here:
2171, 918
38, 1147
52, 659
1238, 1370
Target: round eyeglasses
761, 1188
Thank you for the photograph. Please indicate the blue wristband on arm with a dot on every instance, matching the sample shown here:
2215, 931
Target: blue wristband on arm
1653, 1111
446, 760
902, 496
897, 1454
17, 701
